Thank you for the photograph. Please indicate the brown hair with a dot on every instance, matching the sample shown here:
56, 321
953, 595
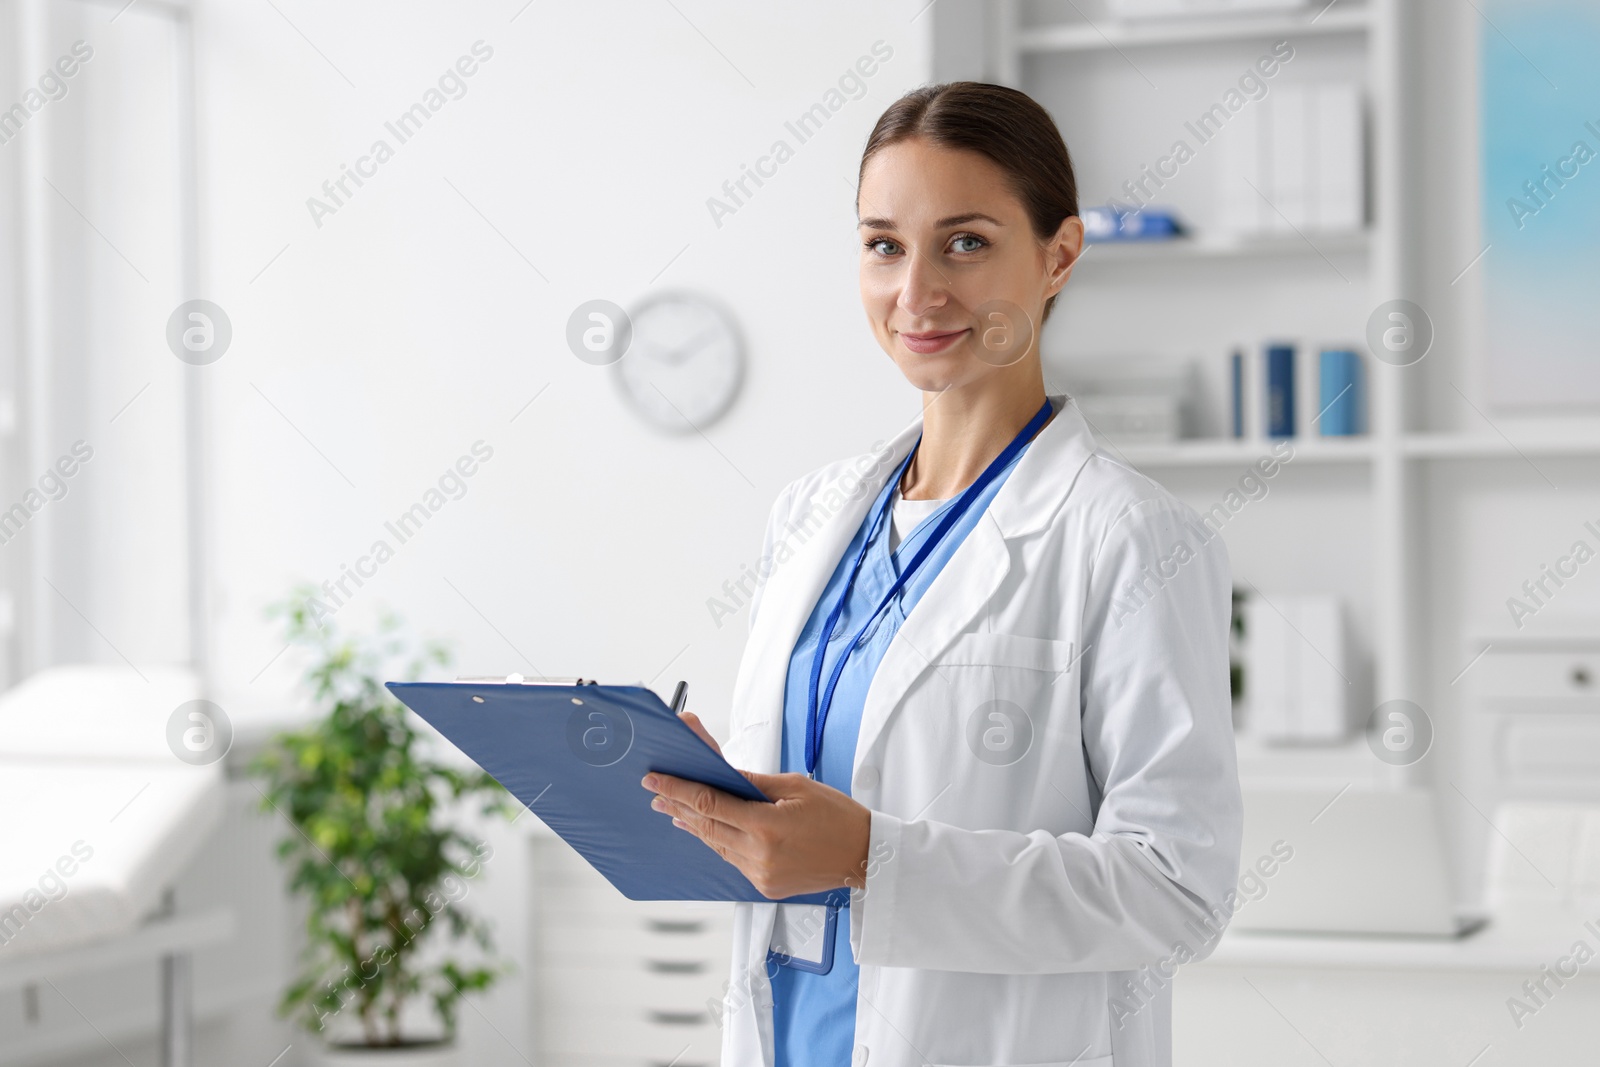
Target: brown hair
1004, 125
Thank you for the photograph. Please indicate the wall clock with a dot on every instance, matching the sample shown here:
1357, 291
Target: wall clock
685, 363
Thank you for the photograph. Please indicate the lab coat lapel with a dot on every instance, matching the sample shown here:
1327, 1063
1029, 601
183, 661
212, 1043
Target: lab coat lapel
791, 595
1028, 500
970, 577
786, 603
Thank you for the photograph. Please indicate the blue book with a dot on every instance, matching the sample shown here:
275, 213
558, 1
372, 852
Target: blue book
1340, 396
1280, 390
1236, 391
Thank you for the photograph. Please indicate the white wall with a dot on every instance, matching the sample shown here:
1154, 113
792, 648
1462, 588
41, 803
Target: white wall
372, 351
406, 328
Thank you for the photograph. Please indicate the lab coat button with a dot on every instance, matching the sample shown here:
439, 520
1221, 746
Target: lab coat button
867, 778
859, 1057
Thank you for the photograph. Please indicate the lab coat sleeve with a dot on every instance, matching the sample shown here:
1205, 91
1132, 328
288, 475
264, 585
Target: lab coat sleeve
1156, 875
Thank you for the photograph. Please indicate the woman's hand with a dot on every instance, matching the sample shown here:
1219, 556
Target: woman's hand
812, 838
692, 720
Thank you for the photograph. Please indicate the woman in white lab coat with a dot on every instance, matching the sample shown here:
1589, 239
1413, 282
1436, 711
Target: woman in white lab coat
1014, 758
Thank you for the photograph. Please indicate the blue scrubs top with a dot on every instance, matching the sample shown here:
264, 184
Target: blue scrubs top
814, 1015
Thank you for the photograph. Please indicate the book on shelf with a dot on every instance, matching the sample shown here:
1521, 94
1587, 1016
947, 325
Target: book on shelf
1280, 391
1341, 397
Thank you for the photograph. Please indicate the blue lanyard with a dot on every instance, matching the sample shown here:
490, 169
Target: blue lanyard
817, 711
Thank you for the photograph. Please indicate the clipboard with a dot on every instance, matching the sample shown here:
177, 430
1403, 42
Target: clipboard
574, 751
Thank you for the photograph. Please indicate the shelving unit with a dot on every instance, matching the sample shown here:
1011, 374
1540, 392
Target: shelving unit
1099, 77
1363, 517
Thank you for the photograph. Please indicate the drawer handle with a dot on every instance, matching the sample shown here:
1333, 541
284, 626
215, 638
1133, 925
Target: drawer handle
1581, 677
675, 966
679, 1018
676, 926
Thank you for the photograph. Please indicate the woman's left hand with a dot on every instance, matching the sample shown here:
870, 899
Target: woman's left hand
812, 838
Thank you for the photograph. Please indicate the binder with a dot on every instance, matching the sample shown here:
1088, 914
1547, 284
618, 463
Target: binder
1236, 374
574, 752
1249, 400
1296, 669
1338, 170
1341, 394
1280, 391
1288, 113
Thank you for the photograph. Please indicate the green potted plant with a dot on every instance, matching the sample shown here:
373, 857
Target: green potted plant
373, 853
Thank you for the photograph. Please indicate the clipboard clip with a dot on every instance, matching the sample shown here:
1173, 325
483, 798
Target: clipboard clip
517, 679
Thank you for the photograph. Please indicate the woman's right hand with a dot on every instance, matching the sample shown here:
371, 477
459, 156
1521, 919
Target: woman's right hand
699, 728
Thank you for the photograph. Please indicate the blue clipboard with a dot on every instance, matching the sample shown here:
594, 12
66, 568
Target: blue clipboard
574, 754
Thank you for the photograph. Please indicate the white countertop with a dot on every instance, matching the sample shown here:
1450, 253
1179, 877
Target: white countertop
1522, 940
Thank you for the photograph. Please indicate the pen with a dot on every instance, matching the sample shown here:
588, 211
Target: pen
680, 696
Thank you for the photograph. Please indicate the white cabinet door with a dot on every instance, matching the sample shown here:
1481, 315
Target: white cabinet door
622, 982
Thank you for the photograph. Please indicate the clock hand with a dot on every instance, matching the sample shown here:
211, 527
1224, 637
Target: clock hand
675, 356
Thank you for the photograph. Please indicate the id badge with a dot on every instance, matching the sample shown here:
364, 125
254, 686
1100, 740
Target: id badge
802, 937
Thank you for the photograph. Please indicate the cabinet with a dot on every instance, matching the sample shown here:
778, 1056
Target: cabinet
1531, 730
620, 983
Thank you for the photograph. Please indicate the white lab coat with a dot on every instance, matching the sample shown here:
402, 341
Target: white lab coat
1027, 908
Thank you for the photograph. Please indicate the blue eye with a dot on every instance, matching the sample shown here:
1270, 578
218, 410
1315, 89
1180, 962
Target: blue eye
979, 241
874, 242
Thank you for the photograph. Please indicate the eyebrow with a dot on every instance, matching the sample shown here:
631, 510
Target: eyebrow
876, 223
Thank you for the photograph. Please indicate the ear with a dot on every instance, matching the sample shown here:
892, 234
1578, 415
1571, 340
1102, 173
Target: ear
1061, 253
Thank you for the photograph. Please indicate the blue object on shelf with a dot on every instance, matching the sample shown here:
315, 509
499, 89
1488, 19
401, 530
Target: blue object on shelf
1107, 224
1340, 398
1236, 391
1280, 390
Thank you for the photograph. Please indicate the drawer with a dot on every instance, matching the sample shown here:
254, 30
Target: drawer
559, 907
1546, 751
662, 1034
634, 946
1515, 675
625, 992
657, 919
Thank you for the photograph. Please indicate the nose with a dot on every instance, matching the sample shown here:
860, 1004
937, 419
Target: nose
923, 287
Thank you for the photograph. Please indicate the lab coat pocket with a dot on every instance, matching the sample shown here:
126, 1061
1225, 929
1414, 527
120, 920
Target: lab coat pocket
1009, 650
1006, 694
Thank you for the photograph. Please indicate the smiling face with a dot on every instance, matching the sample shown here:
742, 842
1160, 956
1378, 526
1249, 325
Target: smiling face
953, 279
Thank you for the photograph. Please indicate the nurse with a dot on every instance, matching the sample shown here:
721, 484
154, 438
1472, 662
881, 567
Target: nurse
987, 678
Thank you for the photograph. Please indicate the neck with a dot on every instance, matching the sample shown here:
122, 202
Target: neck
963, 430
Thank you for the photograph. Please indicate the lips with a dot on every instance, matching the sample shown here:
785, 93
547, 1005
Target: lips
932, 341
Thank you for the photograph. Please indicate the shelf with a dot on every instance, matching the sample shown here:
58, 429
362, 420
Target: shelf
1327, 768
1493, 446
1211, 249
1119, 35
1522, 937
1228, 452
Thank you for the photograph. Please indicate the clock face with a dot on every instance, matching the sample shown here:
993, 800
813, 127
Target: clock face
684, 364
